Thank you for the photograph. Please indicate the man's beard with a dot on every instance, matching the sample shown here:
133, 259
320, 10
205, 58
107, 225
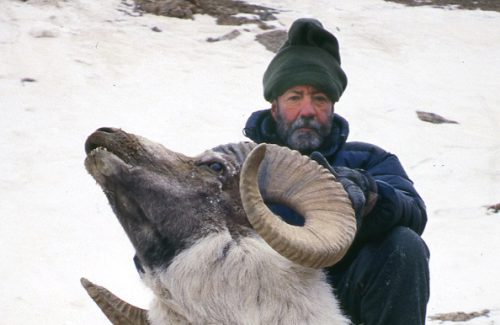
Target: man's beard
304, 141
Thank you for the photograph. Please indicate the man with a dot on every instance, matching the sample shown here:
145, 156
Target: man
384, 277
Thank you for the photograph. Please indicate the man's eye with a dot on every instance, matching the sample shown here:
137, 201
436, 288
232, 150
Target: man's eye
216, 166
321, 99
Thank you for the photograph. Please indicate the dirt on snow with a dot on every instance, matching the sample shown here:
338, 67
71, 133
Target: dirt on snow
492, 5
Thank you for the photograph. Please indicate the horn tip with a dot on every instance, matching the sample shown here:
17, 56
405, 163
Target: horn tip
87, 284
260, 148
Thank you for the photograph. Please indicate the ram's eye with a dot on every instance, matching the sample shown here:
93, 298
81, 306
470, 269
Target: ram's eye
217, 167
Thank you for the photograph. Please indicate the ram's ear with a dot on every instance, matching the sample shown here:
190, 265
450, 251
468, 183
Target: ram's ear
119, 312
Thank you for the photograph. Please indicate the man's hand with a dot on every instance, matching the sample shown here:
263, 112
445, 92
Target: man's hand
359, 185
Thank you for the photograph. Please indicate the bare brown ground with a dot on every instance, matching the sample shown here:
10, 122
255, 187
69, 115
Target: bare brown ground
460, 316
492, 5
225, 11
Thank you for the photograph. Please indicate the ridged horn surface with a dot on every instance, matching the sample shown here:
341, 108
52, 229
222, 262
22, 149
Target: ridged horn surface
119, 312
286, 177
239, 151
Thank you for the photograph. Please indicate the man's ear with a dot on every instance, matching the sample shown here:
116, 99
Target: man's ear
274, 109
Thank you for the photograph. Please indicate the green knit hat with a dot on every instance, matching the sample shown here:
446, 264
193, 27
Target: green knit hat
310, 56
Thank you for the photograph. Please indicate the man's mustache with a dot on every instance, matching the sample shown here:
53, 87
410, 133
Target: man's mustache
306, 123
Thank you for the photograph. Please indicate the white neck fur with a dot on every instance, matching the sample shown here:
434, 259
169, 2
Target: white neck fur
220, 280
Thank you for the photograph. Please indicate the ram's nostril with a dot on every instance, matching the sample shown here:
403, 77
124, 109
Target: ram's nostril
108, 130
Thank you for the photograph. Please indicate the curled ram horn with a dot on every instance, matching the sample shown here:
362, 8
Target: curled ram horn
286, 177
119, 312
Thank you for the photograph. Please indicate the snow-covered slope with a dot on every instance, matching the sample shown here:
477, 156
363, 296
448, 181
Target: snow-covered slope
69, 67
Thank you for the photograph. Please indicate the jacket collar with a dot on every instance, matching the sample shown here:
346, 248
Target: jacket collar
260, 127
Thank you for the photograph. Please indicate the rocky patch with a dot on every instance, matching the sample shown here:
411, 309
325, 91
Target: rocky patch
493, 208
272, 40
227, 12
433, 118
492, 5
460, 316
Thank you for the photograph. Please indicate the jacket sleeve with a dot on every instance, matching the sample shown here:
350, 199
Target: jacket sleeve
398, 202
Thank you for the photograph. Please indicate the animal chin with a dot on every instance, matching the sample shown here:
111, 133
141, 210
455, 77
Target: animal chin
136, 221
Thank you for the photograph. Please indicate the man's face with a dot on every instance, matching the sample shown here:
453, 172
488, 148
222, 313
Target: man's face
303, 117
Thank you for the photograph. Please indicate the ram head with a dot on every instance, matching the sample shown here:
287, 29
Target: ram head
167, 203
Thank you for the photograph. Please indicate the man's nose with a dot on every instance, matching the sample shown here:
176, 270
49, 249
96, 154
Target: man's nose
307, 108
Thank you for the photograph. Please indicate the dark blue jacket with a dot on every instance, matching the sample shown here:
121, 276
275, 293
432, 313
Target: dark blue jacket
398, 202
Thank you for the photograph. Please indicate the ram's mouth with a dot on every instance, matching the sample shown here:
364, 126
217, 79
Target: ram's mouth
97, 150
100, 141
103, 155
93, 148
100, 152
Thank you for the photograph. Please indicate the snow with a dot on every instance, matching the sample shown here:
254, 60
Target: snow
95, 65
